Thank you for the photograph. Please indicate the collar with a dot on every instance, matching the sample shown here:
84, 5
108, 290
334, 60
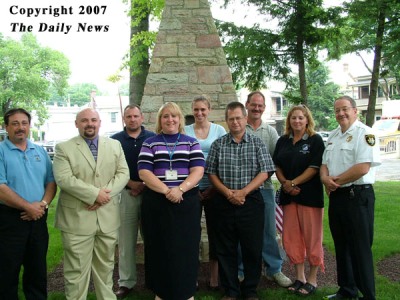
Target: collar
348, 131
141, 134
263, 125
245, 138
95, 141
11, 145
304, 137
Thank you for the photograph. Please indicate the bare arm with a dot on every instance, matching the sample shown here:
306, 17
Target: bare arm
217, 183
136, 187
152, 182
175, 194
328, 181
239, 196
12, 199
255, 183
354, 173
50, 192
32, 211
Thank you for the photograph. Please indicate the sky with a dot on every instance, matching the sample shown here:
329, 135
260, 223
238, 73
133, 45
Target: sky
94, 56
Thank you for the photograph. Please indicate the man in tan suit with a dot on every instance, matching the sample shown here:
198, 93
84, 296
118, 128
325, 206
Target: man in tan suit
88, 210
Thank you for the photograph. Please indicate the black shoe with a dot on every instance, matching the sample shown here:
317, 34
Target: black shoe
123, 292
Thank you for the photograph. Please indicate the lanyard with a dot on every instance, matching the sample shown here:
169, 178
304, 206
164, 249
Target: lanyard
171, 152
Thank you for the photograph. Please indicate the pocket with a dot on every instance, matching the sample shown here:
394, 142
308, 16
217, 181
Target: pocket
69, 203
346, 147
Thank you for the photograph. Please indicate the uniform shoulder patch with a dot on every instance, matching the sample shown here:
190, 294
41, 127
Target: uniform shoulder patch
370, 139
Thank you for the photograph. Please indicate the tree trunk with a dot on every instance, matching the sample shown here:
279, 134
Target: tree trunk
370, 118
300, 53
137, 78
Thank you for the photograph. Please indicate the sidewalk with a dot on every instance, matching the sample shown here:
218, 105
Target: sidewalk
389, 170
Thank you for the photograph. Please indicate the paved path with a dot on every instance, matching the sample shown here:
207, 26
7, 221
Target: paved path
389, 169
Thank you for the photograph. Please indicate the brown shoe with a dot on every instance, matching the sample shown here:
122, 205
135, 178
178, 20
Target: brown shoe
252, 298
228, 298
122, 292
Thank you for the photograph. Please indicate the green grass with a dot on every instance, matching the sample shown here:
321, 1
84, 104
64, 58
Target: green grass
386, 243
55, 252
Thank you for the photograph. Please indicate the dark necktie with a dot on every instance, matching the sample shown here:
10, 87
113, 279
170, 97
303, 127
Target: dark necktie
93, 149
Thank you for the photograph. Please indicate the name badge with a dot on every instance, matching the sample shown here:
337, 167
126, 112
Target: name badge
171, 174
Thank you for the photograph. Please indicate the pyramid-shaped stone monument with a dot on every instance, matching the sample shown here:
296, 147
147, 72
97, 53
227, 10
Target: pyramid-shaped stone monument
187, 61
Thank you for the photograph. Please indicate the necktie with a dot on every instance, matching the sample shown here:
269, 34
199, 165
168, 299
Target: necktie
93, 149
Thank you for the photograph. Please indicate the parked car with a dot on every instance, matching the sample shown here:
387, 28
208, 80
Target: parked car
324, 135
387, 131
3, 135
49, 146
387, 126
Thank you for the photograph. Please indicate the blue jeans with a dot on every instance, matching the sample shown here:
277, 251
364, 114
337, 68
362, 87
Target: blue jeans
270, 254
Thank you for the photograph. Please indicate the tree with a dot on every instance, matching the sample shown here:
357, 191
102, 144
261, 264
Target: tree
321, 95
141, 41
372, 27
256, 54
27, 70
79, 94
76, 94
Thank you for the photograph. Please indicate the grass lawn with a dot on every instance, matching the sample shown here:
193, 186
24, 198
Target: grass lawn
386, 243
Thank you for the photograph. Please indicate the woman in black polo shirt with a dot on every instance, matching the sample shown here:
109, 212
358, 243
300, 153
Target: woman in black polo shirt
298, 157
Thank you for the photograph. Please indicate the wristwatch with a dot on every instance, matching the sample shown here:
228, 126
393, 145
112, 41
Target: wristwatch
47, 205
293, 184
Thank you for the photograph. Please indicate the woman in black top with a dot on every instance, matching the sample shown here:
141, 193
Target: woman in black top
298, 156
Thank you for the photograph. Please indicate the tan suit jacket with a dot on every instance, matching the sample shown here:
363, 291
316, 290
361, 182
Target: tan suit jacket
80, 179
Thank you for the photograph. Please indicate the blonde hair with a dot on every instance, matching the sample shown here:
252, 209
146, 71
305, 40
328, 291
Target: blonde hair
175, 110
307, 113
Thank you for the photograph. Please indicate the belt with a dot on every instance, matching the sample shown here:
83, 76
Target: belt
356, 187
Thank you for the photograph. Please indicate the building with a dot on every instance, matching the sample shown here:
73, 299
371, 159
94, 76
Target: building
360, 91
61, 123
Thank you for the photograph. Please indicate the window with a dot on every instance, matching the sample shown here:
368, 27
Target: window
364, 92
380, 92
113, 117
280, 103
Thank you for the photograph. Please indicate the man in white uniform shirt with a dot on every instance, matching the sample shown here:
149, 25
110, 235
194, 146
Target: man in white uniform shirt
347, 173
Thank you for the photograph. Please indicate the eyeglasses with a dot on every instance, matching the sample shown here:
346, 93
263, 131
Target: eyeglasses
344, 109
237, 119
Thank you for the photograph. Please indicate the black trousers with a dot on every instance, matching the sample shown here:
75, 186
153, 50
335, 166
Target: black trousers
239, 224
23, 243
351, 220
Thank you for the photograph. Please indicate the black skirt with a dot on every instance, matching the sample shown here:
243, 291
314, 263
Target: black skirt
171, 233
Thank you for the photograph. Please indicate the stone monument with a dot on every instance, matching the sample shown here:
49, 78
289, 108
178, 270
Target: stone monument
187, 61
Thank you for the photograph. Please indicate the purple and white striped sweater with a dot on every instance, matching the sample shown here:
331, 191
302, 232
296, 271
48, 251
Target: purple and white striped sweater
154, 156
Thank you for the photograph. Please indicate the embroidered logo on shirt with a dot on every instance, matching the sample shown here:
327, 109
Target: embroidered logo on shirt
370, 139
305, 149
349, 138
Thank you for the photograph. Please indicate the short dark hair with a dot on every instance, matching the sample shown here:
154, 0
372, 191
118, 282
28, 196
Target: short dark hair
14, 111
130, 106
232, 106
348, 98
255, 93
